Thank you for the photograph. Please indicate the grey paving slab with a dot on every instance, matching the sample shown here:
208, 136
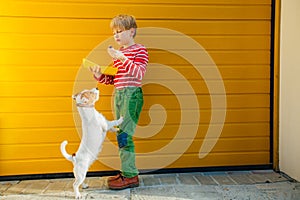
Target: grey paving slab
166, 192
168, 179
109, 194
205, 180
37, 187
275, 177
223, 180
231, 192
69, 185
18, 188
187, 179
262, 171
97, 183
258, 178
296, 186
198, 192
215, 173
56, 186
92, 195
241, 178
5, 185
239, 172
149, 180
175, 193
30, 197
270, 177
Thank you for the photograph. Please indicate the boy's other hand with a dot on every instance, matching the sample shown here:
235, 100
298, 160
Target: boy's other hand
96, 71
115, 53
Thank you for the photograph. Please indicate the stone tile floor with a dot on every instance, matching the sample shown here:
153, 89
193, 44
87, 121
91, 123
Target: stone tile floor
230, 185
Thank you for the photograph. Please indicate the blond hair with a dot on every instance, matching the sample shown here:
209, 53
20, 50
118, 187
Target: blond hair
123, 22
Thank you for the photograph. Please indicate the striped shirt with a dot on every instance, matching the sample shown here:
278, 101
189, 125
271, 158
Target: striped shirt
131, 71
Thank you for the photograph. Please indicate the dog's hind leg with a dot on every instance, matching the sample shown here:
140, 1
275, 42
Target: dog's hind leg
80, 175
76, 189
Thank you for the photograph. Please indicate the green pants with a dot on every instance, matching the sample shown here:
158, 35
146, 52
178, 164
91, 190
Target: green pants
128, 103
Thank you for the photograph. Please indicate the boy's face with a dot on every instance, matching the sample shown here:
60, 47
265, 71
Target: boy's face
123, 37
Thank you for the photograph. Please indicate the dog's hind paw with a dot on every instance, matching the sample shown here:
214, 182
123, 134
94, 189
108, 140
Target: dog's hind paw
78, 196
85, 186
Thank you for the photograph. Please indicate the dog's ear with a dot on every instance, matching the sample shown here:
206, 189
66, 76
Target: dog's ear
94, 90
74, 96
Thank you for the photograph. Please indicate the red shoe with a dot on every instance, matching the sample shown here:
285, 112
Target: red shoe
123, 183
112, 178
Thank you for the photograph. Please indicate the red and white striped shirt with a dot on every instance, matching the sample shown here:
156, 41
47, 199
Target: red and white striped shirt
131, 71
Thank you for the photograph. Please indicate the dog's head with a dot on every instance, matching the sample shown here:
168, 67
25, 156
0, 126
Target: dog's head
87, 97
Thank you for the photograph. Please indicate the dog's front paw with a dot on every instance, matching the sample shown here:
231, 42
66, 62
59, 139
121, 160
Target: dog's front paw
113, 129
120, 120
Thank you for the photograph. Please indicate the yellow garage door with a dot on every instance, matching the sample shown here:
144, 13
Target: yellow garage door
207, 89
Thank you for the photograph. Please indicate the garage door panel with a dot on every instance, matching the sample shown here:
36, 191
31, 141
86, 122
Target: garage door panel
241, 72
64, 89
74, 58
64, 104
52, 151
38, 120
91, 26
168, 132
84, 10
239, 159
145, 162
68, 42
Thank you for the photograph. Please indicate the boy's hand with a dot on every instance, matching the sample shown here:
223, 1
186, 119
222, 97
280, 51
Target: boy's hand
96, 71
116, 54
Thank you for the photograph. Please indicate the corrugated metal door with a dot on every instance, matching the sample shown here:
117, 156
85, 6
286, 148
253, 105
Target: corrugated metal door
41, 49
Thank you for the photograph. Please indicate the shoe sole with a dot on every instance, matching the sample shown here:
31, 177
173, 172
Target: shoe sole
125, 187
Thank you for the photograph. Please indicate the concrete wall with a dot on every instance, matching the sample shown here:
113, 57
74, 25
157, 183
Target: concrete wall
289, 158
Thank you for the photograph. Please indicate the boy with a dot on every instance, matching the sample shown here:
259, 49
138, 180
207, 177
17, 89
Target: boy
131, 61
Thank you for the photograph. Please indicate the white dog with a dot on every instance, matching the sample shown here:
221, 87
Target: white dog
94, 128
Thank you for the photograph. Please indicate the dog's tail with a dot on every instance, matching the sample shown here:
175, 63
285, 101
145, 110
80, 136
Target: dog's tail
64, 152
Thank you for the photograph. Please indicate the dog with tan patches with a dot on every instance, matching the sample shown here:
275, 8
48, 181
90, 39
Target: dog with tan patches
94, 129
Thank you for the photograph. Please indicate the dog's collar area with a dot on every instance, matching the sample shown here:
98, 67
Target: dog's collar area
84, 105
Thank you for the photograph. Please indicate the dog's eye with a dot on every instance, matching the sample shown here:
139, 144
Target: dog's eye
84, 100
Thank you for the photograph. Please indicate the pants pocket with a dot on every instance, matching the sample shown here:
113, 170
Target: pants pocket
122, 139
135, 105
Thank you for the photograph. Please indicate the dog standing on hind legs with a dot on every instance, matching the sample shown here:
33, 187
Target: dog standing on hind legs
94, 129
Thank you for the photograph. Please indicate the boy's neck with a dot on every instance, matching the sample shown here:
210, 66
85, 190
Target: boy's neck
128, 44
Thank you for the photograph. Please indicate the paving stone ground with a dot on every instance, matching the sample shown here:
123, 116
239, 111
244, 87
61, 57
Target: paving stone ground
235, 185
